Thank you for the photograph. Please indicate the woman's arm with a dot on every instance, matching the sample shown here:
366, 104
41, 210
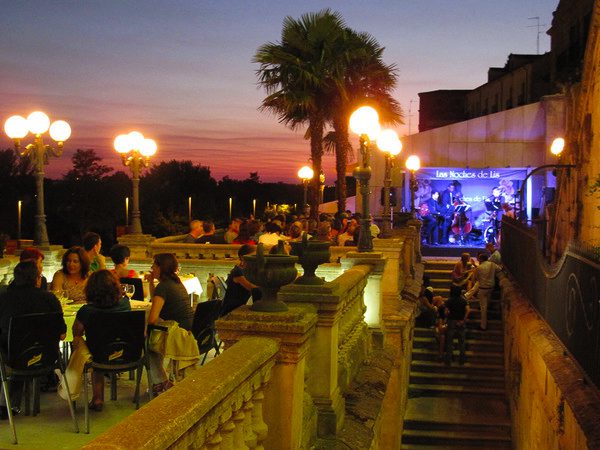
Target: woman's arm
57, 281
157, 305
242, 280
78, 332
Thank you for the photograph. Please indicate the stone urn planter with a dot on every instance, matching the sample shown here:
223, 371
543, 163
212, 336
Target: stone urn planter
270, 272
311, 254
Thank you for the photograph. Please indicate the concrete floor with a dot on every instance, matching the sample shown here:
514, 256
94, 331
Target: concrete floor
53, 427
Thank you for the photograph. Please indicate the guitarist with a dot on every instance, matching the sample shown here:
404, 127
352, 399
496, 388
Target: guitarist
431, 220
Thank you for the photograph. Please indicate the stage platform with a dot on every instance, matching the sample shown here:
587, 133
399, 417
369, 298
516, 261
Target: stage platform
450, 250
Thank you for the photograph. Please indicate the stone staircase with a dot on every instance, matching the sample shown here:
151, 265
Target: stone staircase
457, 406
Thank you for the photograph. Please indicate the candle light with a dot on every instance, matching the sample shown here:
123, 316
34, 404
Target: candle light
126, 211
19, 220
254, 208
190, 209
230, 204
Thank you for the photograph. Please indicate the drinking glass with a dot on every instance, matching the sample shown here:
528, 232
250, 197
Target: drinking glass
129, 290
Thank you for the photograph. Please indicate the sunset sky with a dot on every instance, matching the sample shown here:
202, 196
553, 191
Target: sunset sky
181, 72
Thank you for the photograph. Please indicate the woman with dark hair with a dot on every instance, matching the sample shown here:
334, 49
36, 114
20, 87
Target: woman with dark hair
170, 301
248, 229
70, 280
120, 255
103, 293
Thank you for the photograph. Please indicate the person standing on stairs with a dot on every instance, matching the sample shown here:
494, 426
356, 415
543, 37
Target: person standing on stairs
457, 312
485, 280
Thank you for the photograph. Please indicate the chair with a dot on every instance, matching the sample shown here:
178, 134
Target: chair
139, 287
117, 344
203, 326
33, 352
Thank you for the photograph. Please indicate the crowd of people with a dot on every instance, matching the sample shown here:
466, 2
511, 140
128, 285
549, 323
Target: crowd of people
472, 281
340, 229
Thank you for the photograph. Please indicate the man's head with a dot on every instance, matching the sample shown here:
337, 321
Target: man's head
235, 225
33, 254
196, 228
482, 257
435, 195
451, 187
91, 242
496, 192
208, 226
490, 247
26, 274
465, 257
295, 230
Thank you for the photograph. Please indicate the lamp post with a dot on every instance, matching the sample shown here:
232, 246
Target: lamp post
135, 152
389, 143
38, 123
556, 148
365, 123
413, 163
305, 174
321, 187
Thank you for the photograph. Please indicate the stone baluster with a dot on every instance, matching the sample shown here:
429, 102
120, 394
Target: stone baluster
259, 426
238, 433
227, 429
214, 441
249, 435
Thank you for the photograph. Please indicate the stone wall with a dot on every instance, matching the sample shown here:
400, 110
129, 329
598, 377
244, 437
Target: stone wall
551, 404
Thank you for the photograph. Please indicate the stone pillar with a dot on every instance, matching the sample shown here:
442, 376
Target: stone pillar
283, 403
373, 294
331, 300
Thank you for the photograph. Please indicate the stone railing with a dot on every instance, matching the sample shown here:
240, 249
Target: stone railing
219, 406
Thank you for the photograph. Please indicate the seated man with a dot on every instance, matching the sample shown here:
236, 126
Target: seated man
239, 289
195, 232
233, 231
24, 296
210, 236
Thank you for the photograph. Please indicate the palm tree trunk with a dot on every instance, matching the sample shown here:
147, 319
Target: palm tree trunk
316, 153
342, 149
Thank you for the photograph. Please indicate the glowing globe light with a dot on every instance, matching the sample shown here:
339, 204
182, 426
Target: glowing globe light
388, 141
136, 139
16, 127
413, 163
121, 143
365, 121
60, 131
557, 146
305, 173
148, 147
38, 122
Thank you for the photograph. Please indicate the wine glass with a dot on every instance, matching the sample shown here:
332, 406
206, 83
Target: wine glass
129, 290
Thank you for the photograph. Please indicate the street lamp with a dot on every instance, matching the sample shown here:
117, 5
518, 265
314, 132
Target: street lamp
556, 148
135, 152
413, 164
389, 143
365, 123
38, 123
321, 187
305, 174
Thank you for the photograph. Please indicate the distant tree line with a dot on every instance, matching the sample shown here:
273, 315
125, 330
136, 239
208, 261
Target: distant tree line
91, 197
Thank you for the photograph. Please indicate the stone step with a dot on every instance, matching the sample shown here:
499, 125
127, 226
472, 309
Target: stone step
473, 368
441, 273
450, 390
496, 358
472, 344
494, 379
472, 334
445, 446
456, 438
501, 427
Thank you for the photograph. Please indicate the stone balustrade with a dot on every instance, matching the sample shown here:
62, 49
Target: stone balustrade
218, 406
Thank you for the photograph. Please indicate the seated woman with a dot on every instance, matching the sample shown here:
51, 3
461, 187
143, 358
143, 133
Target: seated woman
170, 301
120, 255
239, 288
103, 293
71, 279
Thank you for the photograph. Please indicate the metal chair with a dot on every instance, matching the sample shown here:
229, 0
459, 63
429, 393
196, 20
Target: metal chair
117, 344
33, 352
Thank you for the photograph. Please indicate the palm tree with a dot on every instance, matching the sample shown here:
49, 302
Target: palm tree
298, 73
366, 80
